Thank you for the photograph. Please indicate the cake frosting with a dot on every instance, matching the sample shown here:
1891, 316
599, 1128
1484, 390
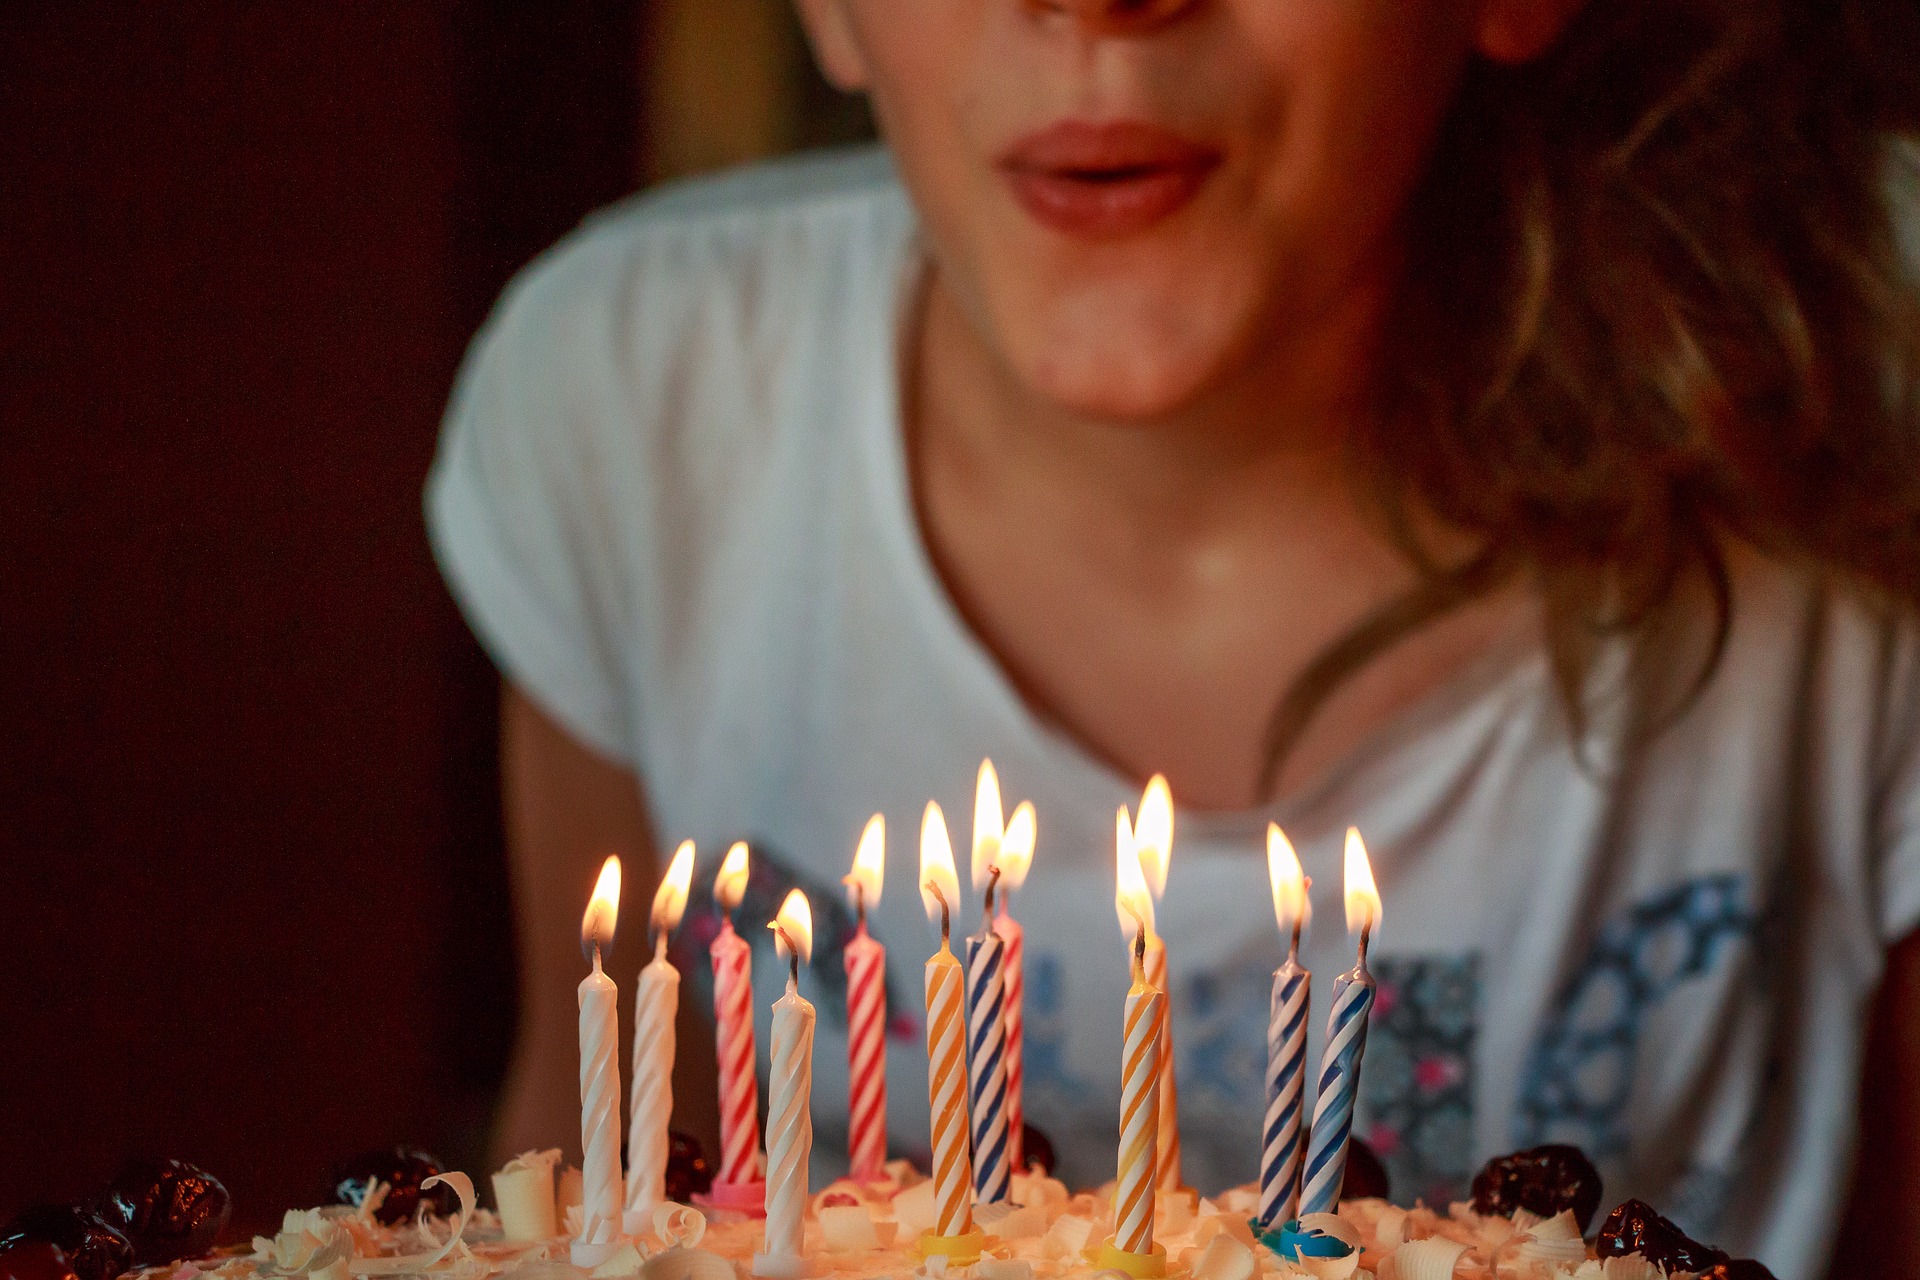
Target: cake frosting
867, 1232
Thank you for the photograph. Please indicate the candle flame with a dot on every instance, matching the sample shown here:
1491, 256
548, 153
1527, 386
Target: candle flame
936, 862
1363, 898
1153, 834
1289, 880
1131, 900
1016, 847
731, 884
603, 911
869, 864
988, 825
794, 924
670, 899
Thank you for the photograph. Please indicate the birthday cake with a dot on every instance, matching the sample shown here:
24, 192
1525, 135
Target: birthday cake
397, 1214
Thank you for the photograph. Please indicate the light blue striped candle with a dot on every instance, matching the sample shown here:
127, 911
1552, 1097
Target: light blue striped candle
1338, 1086
987, 1065
1286, 1093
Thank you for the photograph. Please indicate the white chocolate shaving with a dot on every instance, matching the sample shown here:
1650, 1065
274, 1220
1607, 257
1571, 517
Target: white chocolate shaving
1631, 1267
624, 1262
1432, 1259
1066, 1237
463, 1187
914, 1209
1330, 1268
679, 1226
847, 1227
1224, 1259
687, 1264
524, 1191
1028, 1222
991, 1268
1331, 1224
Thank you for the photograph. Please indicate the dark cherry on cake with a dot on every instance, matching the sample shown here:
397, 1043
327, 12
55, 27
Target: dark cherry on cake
23, 1258
1737, 1269
92, 1246
168, 1209
1366, 1177
403, 1170
1544, 1181
1634, 1227
688, 1173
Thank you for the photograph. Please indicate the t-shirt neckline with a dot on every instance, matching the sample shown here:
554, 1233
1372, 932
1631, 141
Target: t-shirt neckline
1391, 746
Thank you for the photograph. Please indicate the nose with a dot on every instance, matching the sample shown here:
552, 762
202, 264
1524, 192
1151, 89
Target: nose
1116, 17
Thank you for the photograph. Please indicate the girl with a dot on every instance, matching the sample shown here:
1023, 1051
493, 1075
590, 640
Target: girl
1490, 423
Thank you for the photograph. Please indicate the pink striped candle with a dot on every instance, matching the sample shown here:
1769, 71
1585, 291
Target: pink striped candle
1015, 859
741, 1163
867, 1014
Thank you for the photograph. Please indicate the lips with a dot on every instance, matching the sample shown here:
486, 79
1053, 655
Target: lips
1105, 181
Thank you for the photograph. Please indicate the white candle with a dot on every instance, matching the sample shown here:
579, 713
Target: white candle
790, 1106
656, 1003
600, 1076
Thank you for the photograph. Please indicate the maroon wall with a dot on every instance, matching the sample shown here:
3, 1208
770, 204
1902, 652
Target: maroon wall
252, 905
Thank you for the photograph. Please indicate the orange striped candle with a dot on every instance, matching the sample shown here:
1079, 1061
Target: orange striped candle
1146, 1020
946, 1038
1153, 843
1133, 1197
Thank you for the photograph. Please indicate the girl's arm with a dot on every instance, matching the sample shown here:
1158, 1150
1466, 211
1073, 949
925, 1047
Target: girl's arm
1881, 1232
566, 809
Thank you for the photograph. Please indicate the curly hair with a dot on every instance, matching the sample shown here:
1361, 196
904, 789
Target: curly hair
1655, 301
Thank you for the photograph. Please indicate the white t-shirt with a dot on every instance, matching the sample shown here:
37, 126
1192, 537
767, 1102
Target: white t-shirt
671, 497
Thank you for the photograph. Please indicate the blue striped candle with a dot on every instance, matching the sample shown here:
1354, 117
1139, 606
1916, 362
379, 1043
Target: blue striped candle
987, 1064
1286, 1093
1339, 1084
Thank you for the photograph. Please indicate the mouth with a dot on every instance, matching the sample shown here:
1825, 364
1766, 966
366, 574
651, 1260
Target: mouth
1105, 181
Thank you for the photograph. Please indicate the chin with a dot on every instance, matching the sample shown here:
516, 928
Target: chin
1139, 362
1100, 381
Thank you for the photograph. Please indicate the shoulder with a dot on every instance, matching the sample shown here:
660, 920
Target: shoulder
731, 249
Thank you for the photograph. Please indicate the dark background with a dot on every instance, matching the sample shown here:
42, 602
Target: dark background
252, 898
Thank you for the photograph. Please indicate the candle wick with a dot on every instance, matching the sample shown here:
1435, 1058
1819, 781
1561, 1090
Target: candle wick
860, 905
993, 882
659, 944
946, 915
1293, 948
1366, 936
1140, 952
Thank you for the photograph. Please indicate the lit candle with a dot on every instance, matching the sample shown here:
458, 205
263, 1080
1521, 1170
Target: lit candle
1339, 1082
1014, 859
1132, 1248
790, 1106
599, 1076
952, 1234
1153, 839
987, 1056
867, 1013
738, 1184
1286, 1042
656, 1002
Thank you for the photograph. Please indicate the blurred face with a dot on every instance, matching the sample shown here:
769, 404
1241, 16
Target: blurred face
1133, 202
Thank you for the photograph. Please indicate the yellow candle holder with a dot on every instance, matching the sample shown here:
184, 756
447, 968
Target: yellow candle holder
1141, 1266
959, 1251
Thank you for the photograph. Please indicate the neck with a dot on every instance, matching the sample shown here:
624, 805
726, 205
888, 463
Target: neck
1261, 433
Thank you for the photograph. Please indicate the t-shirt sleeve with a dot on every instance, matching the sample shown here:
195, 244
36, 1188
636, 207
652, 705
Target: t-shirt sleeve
1897, 825
523, 510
